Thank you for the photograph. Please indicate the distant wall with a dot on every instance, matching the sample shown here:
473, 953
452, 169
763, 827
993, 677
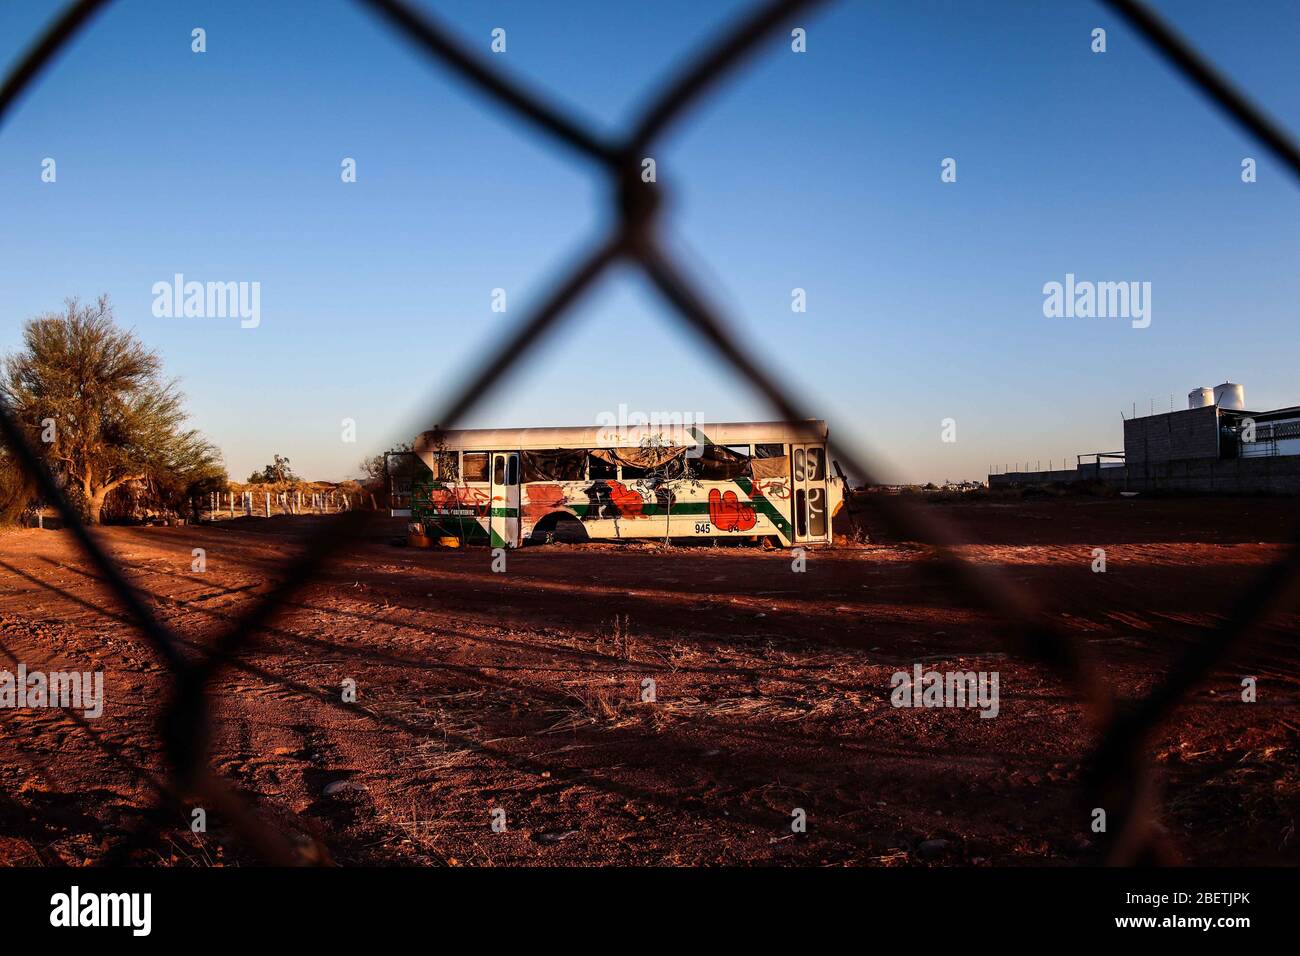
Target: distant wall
1011, 478
1176, 451
1232, 476
1175, 436
1279, 475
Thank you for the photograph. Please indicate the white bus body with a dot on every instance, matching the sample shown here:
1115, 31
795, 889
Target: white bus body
505, 487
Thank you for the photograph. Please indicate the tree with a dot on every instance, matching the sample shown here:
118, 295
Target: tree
17, 489
667, 473
376, 466
92, 400
273, 474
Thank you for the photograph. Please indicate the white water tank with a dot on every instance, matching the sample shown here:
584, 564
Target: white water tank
1230, 395
1200, 397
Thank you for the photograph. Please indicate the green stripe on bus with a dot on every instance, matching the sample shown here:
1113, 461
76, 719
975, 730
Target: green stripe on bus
766, 507
466, 529
649, 509
652, 509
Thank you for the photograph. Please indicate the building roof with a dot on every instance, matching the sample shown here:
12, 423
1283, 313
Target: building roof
1291, 412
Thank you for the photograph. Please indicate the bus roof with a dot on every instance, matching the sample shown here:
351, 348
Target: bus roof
630, 436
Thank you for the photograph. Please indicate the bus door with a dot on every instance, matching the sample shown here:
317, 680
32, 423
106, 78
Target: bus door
808, 484
503, 506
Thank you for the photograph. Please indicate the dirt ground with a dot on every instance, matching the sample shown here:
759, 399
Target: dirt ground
520, 692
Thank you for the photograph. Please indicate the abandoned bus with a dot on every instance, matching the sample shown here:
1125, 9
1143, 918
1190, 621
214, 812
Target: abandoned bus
507, 487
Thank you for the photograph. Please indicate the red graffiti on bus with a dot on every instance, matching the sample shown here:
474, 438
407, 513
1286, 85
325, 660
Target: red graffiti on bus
729, 513
542, 500
448, 497
772, 488
627, 501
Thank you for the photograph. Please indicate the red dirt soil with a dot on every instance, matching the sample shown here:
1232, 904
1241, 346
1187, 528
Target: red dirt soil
521, 691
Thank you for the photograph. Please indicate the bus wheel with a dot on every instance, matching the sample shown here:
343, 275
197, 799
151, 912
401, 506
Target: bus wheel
561, 528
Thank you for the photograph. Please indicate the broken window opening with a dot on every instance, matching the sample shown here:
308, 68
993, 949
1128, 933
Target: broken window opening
558, 464
474, 466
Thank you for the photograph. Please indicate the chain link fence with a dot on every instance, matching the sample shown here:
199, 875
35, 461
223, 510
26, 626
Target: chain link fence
1120, 779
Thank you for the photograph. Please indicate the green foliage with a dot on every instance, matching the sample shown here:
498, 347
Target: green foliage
278, 472
92, 400
374, 466
17, 490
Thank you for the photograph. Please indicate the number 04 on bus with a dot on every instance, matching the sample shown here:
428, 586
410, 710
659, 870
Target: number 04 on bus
509, 487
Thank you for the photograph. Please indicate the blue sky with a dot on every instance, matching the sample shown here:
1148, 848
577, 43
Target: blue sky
816, 170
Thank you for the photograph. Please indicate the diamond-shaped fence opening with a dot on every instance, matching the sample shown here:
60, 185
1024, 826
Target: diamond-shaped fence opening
1120, 778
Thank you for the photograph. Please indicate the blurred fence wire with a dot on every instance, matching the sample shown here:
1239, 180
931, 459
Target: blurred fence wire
1121, 779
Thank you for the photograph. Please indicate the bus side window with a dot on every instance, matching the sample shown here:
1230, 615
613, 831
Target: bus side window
599, 469
512, 470
446, 465
499, 470
474, 466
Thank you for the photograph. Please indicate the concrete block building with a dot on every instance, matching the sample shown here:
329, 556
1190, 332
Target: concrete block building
1214, 445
